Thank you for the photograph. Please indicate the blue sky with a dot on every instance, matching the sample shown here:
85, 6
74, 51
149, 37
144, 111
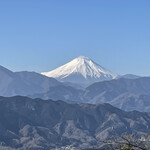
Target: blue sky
40, 35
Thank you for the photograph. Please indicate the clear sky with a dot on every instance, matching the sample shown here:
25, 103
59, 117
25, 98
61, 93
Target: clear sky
40, 35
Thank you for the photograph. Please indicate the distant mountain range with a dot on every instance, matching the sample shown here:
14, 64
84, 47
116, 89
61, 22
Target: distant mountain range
35, 124
24, 83
85, 120
129, 76
128, 92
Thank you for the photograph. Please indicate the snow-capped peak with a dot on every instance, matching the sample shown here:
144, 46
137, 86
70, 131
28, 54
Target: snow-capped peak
81, 70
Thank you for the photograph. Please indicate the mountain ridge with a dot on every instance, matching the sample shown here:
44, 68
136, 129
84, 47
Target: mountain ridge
24, 83
126, 94
27, 123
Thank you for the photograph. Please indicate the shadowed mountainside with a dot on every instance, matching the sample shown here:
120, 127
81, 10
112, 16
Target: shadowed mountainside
44, 124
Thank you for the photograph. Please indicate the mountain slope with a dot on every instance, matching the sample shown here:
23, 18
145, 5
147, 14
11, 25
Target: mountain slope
62, 92
36, 124
24, 83
81, 70
127, 94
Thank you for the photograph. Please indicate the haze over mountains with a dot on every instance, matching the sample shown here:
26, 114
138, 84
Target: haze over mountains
128, 92
24, 83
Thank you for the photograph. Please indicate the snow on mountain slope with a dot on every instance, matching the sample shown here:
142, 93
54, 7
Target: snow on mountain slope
81, 70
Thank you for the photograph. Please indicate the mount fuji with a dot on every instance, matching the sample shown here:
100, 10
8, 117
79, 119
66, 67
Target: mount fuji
81, 70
